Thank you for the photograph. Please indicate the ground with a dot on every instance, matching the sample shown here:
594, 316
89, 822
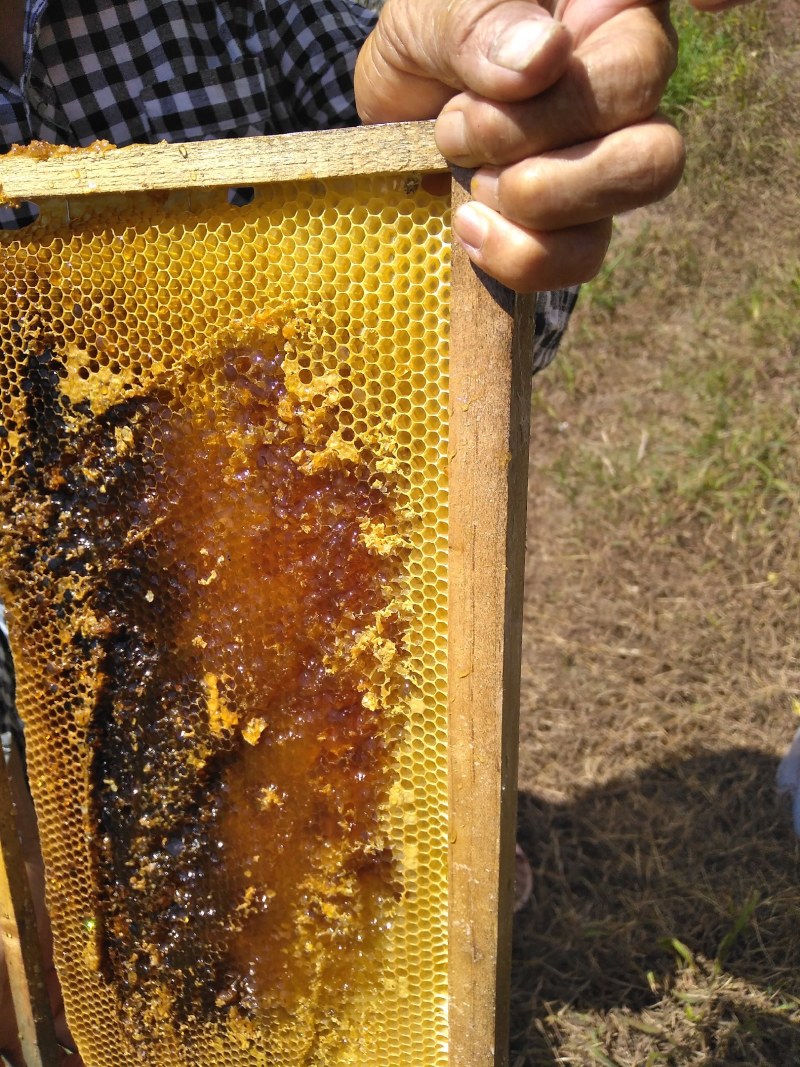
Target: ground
662, 650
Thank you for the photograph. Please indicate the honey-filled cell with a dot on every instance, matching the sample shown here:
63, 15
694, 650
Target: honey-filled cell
219, 569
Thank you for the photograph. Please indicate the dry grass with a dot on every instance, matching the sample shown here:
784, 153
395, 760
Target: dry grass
662, 648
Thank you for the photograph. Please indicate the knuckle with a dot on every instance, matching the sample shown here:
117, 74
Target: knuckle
491, 136
515, 260
523, 195
672, 42
573, 110
674, 150
646, 84
630, 82
591, 250
664, 162
661, 61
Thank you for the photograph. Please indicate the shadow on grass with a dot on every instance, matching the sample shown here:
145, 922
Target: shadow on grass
687, 870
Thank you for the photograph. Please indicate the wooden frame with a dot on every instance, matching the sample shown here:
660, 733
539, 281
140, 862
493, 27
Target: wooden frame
18, 928
394, 147
491, 350
491, 345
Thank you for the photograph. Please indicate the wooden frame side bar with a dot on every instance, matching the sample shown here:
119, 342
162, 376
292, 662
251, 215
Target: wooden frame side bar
491, 347
21, 939
44, 171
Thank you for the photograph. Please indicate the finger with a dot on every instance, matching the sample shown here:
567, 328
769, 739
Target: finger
615, 78
625, 170
529, 261
584, 17
419, 55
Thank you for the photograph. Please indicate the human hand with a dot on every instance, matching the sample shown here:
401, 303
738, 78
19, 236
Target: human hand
554, 103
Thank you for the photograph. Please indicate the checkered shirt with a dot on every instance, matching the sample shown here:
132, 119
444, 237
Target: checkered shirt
182, 70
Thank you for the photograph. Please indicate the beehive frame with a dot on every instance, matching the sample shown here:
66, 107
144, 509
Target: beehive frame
490, 349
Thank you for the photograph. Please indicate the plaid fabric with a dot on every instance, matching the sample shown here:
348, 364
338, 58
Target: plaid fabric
553, 311
9, 720
182, 70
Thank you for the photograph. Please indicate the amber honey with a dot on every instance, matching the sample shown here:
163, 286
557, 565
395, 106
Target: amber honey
224, 545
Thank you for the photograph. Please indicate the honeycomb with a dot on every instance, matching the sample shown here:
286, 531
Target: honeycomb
223, 448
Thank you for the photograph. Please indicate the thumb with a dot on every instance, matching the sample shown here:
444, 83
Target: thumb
422, 52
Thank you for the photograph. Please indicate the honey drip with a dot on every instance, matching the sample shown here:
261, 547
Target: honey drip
220, 566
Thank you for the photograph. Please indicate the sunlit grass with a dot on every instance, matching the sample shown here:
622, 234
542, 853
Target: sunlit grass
664, 597
715, 58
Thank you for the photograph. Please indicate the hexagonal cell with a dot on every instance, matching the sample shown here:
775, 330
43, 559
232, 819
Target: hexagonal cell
358, 256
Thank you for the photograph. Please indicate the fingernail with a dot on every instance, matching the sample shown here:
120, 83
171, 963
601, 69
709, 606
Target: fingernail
518, 45
484, 186
471, 226
451, 134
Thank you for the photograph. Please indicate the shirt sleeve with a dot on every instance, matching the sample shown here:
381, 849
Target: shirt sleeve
553, 311
316, 45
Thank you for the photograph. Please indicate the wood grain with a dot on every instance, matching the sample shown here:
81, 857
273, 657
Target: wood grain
21, 941
390, 148
491, 346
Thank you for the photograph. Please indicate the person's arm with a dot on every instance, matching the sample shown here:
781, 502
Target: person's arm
555, 104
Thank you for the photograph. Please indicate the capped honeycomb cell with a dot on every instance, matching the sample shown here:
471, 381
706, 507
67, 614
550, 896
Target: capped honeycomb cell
224, 557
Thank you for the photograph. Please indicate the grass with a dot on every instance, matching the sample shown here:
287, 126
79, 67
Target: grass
715, 60
662, 652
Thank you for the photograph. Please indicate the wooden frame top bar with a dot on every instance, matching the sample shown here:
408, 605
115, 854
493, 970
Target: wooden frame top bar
46, 171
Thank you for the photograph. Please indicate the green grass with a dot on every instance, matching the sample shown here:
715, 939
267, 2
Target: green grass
662, 648
715, 58
729, 99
